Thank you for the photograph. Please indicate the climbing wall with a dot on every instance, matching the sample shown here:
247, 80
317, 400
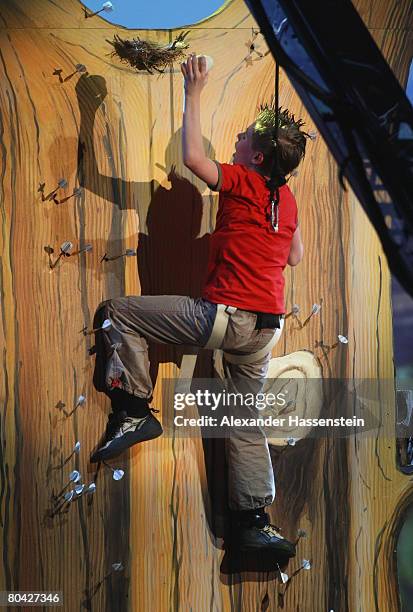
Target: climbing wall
91, 154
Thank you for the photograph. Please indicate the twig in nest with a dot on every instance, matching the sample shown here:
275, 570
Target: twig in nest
146, 55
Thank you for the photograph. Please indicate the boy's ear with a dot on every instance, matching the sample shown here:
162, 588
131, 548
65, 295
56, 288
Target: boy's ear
258, 158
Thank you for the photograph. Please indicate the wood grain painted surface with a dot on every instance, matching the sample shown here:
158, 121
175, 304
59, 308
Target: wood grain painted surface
118, 134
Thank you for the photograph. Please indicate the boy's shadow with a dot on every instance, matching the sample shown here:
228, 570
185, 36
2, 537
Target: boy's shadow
171, 259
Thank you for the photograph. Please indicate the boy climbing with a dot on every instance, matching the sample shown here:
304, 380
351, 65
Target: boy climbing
240, 311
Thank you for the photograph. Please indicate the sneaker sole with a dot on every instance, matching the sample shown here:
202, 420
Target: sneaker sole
127, 441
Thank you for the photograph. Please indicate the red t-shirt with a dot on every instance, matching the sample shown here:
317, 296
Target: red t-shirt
246, 257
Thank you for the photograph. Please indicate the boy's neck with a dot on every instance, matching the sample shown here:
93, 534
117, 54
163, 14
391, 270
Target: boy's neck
255, 168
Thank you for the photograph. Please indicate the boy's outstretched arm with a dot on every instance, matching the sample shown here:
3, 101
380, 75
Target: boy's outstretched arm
296, 249
192, 148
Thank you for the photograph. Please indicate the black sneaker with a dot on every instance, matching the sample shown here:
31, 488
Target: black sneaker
123, 431
261, 536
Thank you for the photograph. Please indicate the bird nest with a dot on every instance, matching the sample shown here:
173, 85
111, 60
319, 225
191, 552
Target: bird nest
149, 55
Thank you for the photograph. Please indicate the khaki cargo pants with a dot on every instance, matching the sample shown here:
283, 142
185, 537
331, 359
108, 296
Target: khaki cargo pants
122, 361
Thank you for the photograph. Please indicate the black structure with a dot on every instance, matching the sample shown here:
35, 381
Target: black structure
358, 106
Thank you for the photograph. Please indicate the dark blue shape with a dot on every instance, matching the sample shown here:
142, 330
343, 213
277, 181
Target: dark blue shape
358, 106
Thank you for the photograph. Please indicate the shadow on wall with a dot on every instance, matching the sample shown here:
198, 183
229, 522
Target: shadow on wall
171, 259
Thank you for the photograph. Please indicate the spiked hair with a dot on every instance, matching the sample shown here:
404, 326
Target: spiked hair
291, 139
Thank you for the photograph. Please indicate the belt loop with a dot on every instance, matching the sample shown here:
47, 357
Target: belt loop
230, 309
